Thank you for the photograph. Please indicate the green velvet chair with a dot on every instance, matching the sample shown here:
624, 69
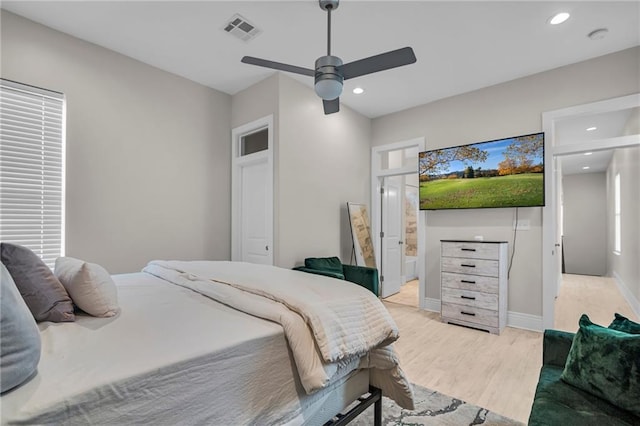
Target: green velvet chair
559, 403
333, 267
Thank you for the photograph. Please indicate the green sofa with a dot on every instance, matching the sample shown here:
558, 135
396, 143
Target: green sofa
333, 267
558, 403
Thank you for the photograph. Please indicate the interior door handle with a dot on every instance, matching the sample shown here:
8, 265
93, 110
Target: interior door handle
400, 242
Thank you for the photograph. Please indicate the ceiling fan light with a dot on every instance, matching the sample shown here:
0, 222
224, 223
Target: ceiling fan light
328, 81
328, 89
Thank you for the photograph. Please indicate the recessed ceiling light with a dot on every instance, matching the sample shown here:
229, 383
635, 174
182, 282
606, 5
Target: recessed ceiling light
591, 129
559, 18
588, 153
358, 90
586, 168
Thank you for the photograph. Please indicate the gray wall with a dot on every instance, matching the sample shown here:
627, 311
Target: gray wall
625, 266
148, 153
632, 126
585, 223
324, 162
508, 109
314, 156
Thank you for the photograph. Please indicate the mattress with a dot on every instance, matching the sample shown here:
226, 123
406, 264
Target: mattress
172, 356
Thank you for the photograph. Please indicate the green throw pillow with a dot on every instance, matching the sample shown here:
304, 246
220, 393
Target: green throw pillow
605, 363
622, 323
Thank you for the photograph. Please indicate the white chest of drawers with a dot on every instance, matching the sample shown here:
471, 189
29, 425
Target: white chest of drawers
474, 283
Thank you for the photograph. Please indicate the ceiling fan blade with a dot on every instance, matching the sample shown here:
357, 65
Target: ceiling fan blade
331, 106
381, 62
278, 66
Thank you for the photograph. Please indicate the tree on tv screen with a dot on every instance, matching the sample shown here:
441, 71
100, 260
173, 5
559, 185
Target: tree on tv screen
521, 156
437, 162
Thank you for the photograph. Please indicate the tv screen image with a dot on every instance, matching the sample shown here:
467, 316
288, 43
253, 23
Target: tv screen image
501, 173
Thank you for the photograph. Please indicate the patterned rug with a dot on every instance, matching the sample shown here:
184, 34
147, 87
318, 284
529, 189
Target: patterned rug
434, 408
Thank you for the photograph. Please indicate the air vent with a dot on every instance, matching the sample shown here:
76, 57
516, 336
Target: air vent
241, 28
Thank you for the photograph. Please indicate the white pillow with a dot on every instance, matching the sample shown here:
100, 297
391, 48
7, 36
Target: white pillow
89, 285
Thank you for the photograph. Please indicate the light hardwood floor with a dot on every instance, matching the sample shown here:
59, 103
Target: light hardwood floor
577, 296
499, 373
408, 294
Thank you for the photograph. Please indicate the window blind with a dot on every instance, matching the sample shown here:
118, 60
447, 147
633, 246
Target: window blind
32, 149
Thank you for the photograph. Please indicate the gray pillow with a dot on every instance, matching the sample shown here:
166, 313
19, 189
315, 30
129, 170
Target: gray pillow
45, 296
20, 348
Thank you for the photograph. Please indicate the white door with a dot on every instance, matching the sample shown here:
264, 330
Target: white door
252, 193
255, 217
392, 235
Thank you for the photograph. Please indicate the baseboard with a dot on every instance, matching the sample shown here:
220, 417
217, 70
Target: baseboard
524, 321
628, 296
432, 305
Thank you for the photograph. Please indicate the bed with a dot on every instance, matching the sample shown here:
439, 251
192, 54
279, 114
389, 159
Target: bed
214, 343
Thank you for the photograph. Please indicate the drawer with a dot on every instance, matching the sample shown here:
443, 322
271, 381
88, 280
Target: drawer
470, 282
479, 316
471, 250
474, 299
470, 266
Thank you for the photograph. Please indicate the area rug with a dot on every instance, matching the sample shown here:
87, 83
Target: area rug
434, 408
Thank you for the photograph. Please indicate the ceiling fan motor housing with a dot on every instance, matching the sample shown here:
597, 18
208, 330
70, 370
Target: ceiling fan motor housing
328, 78
329, 4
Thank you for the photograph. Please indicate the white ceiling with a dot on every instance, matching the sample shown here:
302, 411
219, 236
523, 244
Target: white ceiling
597, 162
574, 130
460, 46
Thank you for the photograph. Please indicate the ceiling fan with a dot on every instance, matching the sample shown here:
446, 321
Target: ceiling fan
329, 70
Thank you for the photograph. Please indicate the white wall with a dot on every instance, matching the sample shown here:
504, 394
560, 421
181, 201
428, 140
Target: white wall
625, 267
585, 223
148, 153
508, 109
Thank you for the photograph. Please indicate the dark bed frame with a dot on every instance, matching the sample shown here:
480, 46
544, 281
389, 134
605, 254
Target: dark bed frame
364, 402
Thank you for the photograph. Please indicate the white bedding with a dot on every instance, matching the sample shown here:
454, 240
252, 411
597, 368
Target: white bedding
327, 322
174, 357
180, 358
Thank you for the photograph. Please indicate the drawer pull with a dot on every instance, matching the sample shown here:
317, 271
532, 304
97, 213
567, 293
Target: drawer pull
467, 249
467, 313
467, 297
467, 281
467, 266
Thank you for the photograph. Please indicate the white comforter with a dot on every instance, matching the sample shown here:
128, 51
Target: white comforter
327, 322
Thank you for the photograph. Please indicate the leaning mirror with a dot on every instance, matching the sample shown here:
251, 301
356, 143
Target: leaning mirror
361, 235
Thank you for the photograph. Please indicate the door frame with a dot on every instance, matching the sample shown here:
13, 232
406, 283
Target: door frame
377, 175
550, 247
237, 163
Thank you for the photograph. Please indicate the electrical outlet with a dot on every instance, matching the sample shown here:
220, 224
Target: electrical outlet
522, 225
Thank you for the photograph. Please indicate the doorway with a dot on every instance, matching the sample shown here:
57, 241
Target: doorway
568, 133
395, 221
402, 232
252, 192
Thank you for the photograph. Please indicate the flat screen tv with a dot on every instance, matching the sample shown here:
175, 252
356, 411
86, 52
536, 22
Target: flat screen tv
501, 173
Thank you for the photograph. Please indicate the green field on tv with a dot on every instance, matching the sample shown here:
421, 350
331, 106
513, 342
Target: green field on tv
519, 190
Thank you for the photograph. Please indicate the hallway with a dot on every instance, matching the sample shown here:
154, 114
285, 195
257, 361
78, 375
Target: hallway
598, 297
